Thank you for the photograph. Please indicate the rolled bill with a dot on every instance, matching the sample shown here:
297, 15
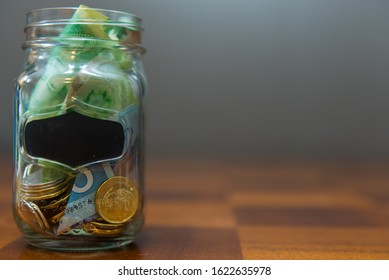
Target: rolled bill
53, 86
101, 88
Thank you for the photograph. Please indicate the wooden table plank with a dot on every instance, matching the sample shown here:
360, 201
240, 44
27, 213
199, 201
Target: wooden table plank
310, 243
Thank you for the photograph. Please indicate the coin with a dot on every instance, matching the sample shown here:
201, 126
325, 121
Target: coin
102, 232
36, 175
105, 225
59, 203
52, 209
117, 200
32, 215
44, 195
104, 229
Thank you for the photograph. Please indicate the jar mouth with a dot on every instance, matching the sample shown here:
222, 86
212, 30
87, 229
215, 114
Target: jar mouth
64, 15
80, 26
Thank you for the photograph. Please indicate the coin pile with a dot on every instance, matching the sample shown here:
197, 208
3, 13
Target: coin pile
43, 196
45, 192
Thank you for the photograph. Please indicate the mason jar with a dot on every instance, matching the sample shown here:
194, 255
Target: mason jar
79, 129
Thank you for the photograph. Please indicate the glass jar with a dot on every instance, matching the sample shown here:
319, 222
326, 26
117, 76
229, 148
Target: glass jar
78, 130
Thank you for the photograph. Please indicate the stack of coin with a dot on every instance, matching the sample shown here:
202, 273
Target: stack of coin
43, 197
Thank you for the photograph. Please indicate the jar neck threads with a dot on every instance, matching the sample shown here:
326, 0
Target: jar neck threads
82, 26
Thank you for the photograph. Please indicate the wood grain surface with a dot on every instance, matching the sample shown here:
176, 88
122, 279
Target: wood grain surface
241, 208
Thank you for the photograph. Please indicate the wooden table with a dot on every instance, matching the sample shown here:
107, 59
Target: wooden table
241, 208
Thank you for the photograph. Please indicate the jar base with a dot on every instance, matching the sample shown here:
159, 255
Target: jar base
78, 245
81, 242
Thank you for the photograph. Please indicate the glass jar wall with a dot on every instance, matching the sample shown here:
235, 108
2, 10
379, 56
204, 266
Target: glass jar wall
78, 129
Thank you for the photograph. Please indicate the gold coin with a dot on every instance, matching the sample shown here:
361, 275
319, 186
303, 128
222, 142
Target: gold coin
54, 209
117, 200
106, 225
108, 233
103, 229
40, 175
32, 215
92, 229
55, 203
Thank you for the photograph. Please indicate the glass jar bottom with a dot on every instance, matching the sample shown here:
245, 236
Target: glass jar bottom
82, 241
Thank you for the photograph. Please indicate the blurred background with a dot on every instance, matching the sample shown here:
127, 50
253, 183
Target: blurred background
259, 78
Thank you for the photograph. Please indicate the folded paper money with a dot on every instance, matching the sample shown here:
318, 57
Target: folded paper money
69, 76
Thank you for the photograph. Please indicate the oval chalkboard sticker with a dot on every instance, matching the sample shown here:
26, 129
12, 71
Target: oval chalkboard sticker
74, 139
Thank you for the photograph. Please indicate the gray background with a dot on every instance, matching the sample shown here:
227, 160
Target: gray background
249, 77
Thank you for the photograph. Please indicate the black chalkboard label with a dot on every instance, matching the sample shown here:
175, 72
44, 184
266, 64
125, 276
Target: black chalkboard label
74, 139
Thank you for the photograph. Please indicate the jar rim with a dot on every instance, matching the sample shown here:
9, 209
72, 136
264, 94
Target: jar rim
82, 26
63, 15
